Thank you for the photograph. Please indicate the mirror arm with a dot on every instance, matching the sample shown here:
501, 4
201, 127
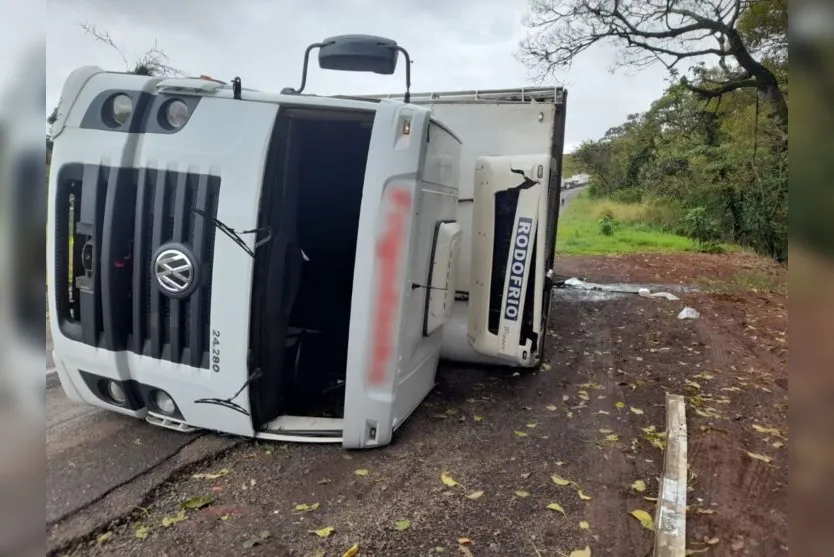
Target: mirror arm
407, 97
290, 90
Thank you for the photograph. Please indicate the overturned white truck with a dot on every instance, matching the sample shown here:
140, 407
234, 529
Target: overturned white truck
291, 266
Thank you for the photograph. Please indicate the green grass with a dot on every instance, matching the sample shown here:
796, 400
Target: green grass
579, 230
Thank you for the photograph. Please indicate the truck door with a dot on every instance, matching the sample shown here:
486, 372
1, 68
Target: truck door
390, 365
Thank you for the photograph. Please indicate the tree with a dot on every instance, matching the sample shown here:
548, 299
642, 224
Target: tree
730, 33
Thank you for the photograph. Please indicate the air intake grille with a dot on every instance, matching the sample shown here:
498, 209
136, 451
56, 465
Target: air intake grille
109, 222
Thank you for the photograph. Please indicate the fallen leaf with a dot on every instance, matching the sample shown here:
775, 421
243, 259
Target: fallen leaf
569, 414
584, 395
768, 430
620, 405
639, 485
324, 481
705, 511
475, 495
523, 494
525, 475
171, 520
584, 524
712, 541
612, 437
104, 538
532, 426
352, 551
478, 418
764, 458
304, 508
650, 499
362, 472
448, 480
325, 532
464, 541
402, 525
603, 412
224, 517
556, 507
737, 544
582, 495
141, 532
581, 552
520, 434
605, 430
551, 407
637, 411
546, 367
211, 475
466, 551
644, 518
197, 503
559, 480
255, 540
777, 445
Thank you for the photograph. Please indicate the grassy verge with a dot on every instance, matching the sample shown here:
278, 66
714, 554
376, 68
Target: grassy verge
580, 231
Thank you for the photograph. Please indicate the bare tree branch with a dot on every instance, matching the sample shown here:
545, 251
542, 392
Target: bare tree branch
648, 32
153, 61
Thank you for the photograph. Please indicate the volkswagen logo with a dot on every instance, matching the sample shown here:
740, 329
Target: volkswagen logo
175, 270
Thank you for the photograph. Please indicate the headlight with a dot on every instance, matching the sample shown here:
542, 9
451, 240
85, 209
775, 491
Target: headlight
116, 393
122, 108
164, 403
176, 114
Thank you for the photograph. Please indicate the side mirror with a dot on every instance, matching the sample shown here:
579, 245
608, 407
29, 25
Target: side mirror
357, 53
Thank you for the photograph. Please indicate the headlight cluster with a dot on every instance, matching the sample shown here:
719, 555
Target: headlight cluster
172, 114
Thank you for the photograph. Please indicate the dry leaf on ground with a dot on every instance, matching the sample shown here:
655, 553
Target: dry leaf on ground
556, 507
448, 480
645, 519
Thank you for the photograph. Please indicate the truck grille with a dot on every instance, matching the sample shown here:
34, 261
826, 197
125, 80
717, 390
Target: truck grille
109, 222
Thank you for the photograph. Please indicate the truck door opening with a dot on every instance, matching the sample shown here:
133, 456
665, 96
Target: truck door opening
312, 206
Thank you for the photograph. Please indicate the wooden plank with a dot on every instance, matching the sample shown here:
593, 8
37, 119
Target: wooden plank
670, 517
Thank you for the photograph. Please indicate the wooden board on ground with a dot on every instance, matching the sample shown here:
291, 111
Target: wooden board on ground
670, 522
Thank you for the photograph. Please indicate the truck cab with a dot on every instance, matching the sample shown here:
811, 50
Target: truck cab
284, 266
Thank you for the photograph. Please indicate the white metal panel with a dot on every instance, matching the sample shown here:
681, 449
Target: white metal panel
391, 365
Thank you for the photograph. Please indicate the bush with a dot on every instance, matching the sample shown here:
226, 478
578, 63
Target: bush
607, 223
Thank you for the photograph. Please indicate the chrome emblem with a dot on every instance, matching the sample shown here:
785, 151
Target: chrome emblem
174, 271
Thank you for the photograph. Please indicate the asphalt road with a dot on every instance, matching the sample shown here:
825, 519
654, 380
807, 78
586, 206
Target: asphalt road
100, 465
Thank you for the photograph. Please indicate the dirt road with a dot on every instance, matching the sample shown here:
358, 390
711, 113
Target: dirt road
590, 416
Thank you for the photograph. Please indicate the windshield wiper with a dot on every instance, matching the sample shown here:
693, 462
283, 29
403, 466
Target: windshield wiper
235, 236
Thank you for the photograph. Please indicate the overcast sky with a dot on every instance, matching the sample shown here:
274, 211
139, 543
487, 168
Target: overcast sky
455, 44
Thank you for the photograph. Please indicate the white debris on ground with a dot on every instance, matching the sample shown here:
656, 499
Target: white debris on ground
619, 287
689, 313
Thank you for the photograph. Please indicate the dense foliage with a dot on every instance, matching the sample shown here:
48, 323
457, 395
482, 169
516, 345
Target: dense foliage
716, 172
